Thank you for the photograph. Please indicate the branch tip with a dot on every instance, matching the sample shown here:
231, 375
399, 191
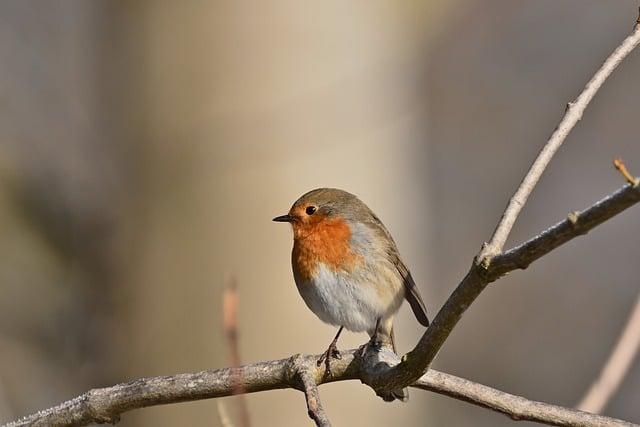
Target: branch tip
622, 168
230, 304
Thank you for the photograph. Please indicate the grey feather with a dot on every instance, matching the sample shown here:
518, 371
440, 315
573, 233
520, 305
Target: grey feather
412, 295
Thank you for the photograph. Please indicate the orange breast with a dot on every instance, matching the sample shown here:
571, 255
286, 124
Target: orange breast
325, 241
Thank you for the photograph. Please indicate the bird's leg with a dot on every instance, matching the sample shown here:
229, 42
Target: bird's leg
332, 352
375, 341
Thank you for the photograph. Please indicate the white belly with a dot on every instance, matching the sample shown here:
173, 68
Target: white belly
353, 301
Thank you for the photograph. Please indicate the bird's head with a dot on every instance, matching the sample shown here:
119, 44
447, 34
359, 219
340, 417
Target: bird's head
321, 207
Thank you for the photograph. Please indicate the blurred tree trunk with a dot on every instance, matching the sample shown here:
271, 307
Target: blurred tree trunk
237, 108
59, 189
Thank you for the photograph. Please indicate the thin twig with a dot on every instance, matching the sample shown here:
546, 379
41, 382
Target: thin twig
622, 168
230, 326
576, 224
625, 350
479, 276
106, 404
616, 367
628, 344
225, 421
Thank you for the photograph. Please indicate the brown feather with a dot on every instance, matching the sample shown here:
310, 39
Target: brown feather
411, 294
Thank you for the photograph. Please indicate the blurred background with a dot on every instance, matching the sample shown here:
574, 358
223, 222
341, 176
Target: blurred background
145, 147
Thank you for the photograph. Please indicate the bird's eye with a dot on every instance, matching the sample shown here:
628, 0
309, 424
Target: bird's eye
310, 210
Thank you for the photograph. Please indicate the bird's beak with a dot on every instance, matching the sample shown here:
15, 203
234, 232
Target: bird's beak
283, 218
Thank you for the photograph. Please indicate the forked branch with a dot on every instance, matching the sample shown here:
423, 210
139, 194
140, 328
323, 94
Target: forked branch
485, 267
301, 372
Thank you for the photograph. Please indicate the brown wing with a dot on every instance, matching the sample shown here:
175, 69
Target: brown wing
411, 294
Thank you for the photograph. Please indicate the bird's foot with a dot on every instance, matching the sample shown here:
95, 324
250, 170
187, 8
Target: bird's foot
331, 353
374, 344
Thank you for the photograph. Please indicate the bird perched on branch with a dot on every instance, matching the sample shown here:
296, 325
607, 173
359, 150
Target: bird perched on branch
348, 270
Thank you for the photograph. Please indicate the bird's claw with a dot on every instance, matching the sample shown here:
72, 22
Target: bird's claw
331, 353
374, 344
336, 354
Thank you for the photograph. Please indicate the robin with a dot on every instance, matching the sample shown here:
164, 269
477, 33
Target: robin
348, 270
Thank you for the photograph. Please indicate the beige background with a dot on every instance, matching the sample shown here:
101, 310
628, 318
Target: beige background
145, 147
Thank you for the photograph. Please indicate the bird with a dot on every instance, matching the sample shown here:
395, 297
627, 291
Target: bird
348, 270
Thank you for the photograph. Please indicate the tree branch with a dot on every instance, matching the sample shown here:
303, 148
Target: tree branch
481, 274
377, 369
573, 114
106, 404
625, 350
616, 367
310, 388
486, 266
515, 407
576, 224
